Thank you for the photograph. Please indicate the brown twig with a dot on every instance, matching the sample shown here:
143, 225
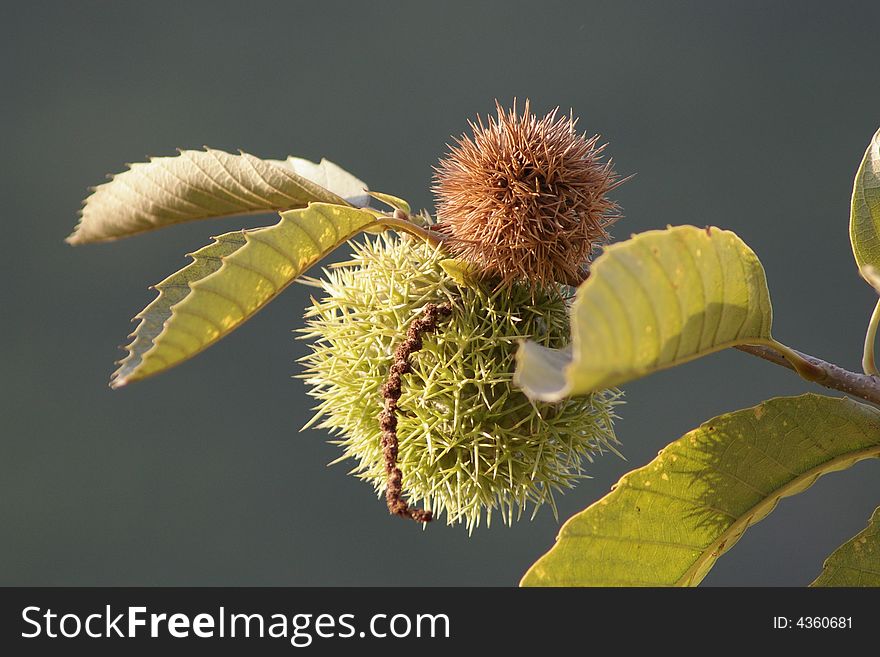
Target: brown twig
830, 375
388, 418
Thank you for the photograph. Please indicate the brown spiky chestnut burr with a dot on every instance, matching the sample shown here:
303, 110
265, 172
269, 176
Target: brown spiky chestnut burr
525, 199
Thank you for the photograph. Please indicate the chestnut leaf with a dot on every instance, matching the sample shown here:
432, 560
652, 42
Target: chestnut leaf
657, 300
204, 184
230, 280
666, 524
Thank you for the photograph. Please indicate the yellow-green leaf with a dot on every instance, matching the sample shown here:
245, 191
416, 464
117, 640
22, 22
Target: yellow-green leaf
666, 524
856, 562
228, 281
864, 222
657, 300
205, 184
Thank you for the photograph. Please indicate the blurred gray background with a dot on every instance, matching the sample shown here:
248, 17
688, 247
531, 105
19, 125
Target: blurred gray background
749, 116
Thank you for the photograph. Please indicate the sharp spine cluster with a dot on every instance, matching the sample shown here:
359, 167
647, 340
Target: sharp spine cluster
525, 199
469, 441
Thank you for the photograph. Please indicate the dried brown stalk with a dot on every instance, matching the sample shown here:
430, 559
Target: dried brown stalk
425, 323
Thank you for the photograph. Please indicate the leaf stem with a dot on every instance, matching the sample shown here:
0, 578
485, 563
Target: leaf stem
869, 363
403, 223
828, 375
799, 363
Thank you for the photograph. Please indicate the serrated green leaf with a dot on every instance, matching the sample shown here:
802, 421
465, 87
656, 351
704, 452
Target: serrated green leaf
667, 523
228, 281
205, 184
864, 222
856, 562
657, 300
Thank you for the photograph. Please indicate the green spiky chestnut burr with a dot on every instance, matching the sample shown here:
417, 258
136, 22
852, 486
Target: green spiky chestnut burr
469, 441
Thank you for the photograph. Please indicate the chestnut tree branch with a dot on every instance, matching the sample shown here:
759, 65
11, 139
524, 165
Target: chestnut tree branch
829, 375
